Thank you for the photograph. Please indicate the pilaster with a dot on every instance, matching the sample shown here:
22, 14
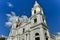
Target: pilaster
42, 36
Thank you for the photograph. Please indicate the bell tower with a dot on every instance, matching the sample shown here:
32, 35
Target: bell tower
38, 21
37, 12
36, 9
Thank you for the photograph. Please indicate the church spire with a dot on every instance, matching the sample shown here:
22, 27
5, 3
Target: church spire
36, 3
36, 8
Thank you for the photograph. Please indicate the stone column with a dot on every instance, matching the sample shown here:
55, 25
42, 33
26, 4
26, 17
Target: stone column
48, 34
17, 37
42, 36
28, 36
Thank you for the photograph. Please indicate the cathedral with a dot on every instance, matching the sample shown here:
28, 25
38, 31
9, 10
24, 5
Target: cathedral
34, 29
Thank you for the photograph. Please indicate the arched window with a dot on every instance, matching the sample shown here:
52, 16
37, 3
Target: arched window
37, 36
34, 11
16, 25
23, 30
46, 36
35, 20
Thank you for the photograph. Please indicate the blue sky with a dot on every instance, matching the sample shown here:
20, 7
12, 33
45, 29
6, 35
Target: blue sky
51, 10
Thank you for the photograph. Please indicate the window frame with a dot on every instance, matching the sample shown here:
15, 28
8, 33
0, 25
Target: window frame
34, 11
35, 20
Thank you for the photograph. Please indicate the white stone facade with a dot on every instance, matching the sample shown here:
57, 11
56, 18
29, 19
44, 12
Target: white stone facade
58, 36
34, 29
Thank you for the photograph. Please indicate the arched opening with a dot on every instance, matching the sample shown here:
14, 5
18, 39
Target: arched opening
35, 20
23, 30
46, 37
34, 11
16, 25
37, 36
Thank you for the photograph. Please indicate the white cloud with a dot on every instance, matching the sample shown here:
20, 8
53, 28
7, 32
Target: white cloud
12, 18
8, 23
58, 33
13, 13
21, 20
9, 4
3, 36
24, 18
9, 15
11, 21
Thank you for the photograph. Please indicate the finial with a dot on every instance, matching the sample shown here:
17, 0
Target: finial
36, 3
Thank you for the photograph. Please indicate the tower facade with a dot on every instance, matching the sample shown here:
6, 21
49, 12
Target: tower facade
35, 29
40, 29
